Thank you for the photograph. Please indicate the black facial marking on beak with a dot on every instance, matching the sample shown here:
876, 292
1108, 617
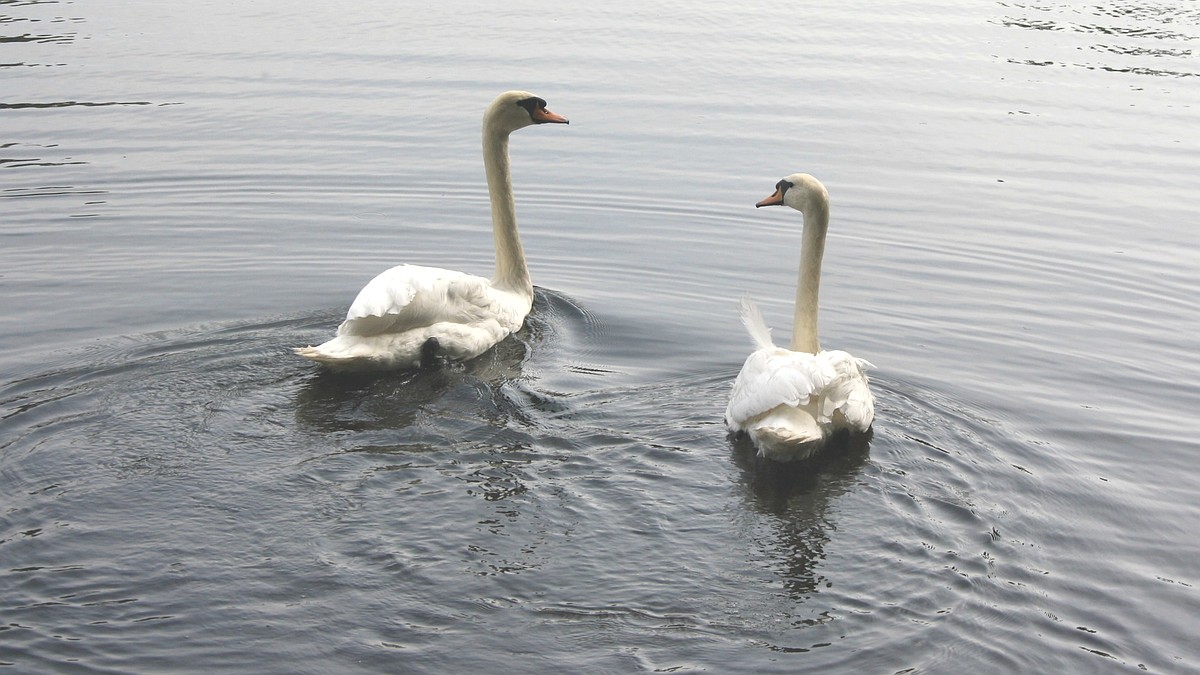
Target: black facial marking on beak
532, 105
538, 114
776, 197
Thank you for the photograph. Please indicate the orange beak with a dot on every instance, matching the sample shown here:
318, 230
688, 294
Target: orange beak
543, 116
775, 199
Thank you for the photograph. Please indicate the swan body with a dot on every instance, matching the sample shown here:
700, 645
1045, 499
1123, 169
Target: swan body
408, 315
791, 401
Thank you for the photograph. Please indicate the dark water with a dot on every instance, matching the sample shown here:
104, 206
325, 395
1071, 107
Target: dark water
188, 190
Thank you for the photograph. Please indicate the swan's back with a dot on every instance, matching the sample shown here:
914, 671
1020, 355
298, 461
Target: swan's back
789, 403
408, 297
400, 310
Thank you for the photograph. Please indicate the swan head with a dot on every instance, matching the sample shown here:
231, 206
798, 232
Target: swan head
798, 191
514, 110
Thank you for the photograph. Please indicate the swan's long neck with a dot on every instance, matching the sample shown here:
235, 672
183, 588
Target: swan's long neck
808, 286
512, 274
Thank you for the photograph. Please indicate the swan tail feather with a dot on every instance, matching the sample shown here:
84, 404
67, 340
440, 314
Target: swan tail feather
787, 434
315, 354
753, 320
339, 361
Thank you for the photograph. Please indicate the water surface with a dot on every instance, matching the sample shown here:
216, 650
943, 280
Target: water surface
188, 191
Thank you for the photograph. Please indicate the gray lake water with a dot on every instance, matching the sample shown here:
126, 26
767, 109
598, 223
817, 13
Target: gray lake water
187, 190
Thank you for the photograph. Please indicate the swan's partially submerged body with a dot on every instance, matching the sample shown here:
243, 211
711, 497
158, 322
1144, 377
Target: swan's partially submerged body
790, 402
394, 317
411, 315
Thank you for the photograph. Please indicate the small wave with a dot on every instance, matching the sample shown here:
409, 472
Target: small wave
72, 104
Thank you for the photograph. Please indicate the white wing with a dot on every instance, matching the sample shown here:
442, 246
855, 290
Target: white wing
848, 395
396, 313
774, 377
409, 297
830, 386
753, 320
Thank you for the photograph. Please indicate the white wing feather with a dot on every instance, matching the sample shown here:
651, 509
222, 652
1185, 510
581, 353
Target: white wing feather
400, 309
407, 297
773, 377
789, 402
753, 320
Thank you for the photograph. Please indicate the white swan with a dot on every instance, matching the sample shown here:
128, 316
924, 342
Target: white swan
790, 401
410, 315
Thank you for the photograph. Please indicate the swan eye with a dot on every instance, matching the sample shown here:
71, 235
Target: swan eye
783, 186
532, 104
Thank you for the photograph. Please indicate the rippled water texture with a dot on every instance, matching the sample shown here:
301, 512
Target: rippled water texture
187, 191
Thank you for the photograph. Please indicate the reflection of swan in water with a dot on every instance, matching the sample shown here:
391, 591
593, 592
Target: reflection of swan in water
791, 401
411, 315
794, 498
